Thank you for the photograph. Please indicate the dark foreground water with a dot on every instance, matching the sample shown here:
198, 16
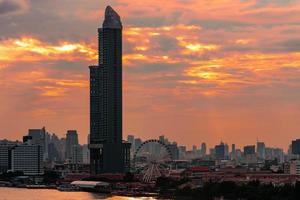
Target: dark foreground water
44, 194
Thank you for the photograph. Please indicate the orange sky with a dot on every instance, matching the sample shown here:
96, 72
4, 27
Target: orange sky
196, 71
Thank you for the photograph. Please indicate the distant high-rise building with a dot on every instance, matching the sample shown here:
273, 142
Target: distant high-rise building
233, 152
261, 150
226, 151
161, 138
296, 147
182, 152
85, 154
278, 155
203, 149
174, 151
249, 154
130, 139
71, 141
249, 150
108, 154
53, 153
194, 148
137, 142
220, 151
38, 137
77, 156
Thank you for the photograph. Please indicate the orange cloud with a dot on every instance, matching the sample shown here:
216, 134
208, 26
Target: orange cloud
31, 49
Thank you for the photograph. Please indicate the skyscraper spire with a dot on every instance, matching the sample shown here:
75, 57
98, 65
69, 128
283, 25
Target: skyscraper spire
112, 19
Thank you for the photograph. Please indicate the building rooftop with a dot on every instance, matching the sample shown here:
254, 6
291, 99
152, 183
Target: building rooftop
112, 19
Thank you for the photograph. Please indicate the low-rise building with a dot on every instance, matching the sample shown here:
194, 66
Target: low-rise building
292, 167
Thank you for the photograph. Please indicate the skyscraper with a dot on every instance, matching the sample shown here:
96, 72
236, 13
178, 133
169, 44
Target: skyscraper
220, 151
203, 149
39, 137
107, 152
71, 141
261, 150
296, 147
249, 150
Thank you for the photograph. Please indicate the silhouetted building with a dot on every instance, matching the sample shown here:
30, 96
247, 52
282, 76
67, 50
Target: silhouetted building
130, 139
261, 150
203, 149
296, 147
174, 151
108, 154
77, 157
71, 141
38, 137
233, 152
137, 142
85, 154
249, 150
220, 151
53, 154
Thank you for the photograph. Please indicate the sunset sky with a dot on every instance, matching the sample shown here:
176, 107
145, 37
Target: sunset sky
194, 70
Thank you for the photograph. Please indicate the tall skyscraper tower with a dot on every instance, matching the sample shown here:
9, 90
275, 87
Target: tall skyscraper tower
108, 154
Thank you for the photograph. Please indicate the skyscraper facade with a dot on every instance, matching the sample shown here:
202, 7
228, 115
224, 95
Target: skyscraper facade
108, 154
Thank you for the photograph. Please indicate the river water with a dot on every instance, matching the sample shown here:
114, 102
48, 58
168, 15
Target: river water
45, 194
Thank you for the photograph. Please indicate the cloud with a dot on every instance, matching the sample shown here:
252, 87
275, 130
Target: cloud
292, 45
12, 6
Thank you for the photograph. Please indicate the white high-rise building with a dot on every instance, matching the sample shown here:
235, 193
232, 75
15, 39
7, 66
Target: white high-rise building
5, 162
28, 159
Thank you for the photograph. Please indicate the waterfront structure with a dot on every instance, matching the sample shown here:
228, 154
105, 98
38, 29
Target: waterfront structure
28, 159
108, 153
5, 157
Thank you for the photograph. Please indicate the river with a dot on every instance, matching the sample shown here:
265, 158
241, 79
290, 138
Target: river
45, 194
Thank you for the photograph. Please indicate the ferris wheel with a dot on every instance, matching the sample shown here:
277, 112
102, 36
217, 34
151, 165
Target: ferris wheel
152, 159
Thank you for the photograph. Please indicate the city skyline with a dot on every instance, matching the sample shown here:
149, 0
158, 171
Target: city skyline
189, 74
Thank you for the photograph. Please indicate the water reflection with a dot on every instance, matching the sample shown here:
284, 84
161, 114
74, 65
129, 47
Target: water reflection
44, 194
